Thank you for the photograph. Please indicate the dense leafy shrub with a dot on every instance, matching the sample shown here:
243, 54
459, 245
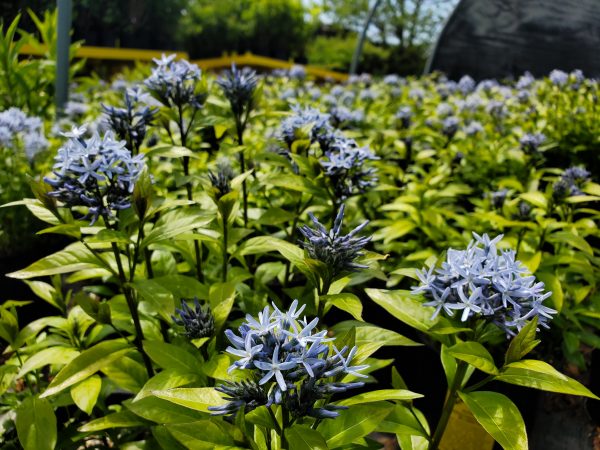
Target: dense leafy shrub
229, 234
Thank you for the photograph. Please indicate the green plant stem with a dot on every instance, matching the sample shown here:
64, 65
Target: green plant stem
300, 208
286, 424
225, 254
461, 369
276, 426
131, 304
240, 135
147, 255
481, 383
183, 133
519, 239
190, 197
21, 366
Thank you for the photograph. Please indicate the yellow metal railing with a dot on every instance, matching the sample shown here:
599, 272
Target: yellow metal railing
246, 59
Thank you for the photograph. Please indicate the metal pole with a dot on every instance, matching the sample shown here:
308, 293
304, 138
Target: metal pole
62, 53
362, 37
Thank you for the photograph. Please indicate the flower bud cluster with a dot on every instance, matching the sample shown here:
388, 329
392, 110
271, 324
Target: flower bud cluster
337, 251
239, 85
198, 322
130, 123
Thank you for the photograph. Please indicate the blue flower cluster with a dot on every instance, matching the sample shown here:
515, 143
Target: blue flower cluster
473, 128
498, 198
221, 180
130, 123
337, 251
342, 116
570, 182
290, 364
482, 282
175, 83
297, 72
525, 81
558, 77
99, 173
450, 126
18, 129
466, 85
342, 160
530, 142
311, 119
344, 165
238, 87
404, 114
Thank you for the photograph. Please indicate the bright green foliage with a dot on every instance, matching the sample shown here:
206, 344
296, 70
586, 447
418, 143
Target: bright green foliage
115, 356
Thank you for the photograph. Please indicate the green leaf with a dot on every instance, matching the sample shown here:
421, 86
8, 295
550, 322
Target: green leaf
166, 439
121, 419
221, 297
159, 297
203, 434
552, 283
127, 373
198, 399
574, 240
380, 395
51, 355
228, 206
346, 302
166, 379
161, 411
301, 437
170, 356
405, 420
36, 424
46, 292
475, 354
85, 393
394, 231
532, 262
523, 342
105, 235
265, 244
499, 416
174, 223
294, 183
540, 375
354, 423
404, 306
171, 151
370, 338
74, 257
87, 364
535, 198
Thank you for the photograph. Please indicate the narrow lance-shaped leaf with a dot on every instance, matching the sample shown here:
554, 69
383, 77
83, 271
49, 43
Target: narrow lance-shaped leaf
523, 343
475, 354
87, 364
541, 375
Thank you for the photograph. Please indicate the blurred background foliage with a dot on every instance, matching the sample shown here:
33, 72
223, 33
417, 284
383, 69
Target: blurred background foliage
317, 32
